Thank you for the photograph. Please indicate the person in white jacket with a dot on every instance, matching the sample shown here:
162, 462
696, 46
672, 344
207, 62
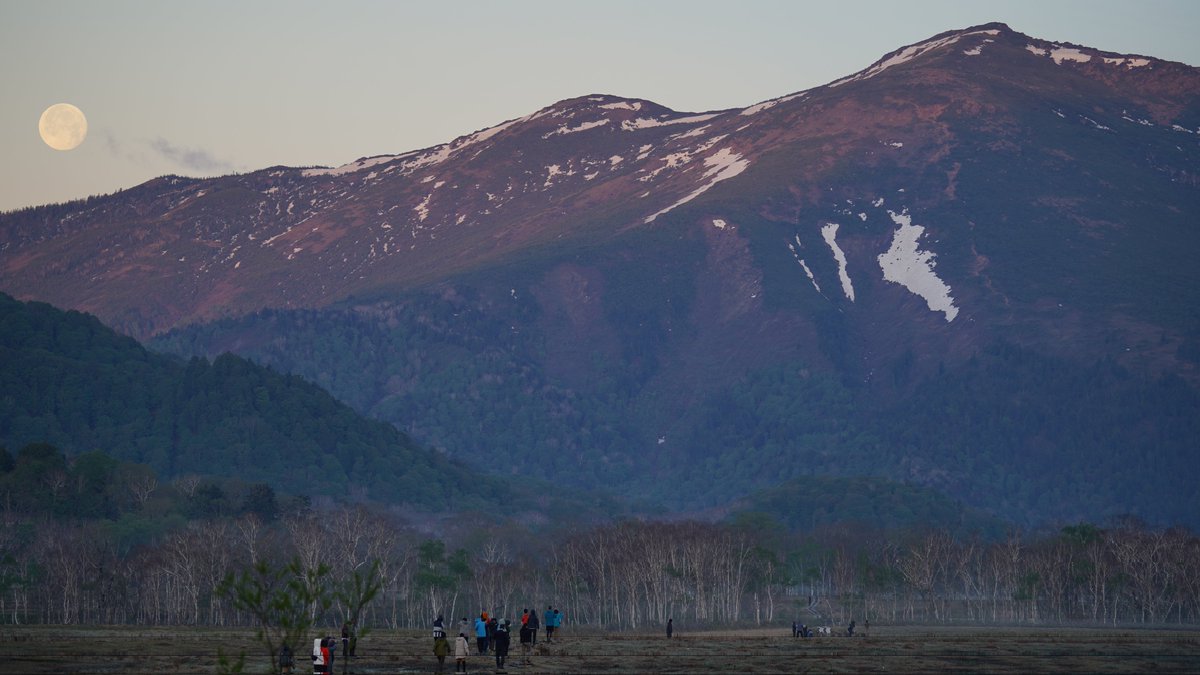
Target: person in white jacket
318, 656
461, 649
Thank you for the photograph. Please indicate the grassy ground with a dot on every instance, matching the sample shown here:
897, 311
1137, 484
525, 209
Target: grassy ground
131, 651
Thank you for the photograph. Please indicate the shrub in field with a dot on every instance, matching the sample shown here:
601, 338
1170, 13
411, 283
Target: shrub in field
284, 600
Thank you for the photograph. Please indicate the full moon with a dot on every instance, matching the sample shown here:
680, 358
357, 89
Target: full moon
63, 126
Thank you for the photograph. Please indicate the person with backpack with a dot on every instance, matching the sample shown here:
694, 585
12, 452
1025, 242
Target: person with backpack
321, 658
441, 649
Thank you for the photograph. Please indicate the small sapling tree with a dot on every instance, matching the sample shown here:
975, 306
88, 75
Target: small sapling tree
284, 601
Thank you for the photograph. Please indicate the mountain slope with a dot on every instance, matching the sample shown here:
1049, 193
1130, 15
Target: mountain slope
925, 119
70, 381
691, 306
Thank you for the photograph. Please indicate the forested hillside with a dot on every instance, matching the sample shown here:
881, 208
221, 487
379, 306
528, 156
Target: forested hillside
67, 380
1028, 437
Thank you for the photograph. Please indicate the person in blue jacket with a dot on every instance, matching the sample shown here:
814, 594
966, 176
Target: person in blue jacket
548, 622
481, 635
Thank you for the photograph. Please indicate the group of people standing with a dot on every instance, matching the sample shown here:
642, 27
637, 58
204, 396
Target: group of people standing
801, 630
492, 634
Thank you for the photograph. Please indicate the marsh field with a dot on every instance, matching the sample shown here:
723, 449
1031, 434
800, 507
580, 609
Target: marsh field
133, 650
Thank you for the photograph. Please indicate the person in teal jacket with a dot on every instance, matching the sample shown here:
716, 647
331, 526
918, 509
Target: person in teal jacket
481, 635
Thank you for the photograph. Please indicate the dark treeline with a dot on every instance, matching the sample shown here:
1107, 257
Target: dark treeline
93, 540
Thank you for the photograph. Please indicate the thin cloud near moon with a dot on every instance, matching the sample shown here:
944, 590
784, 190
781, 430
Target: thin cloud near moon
191, 158
146, 152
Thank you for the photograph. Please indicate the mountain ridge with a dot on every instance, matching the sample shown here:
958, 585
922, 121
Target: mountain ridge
225, 229
594, 287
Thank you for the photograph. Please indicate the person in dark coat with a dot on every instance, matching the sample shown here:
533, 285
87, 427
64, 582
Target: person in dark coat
670, 628
526, 643
850, 629
286, 660
349, 639
501, 643
534, 624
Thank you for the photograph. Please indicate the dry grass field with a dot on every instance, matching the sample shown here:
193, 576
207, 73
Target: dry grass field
909, 649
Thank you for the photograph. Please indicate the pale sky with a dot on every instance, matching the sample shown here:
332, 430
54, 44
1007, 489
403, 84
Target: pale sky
216, 87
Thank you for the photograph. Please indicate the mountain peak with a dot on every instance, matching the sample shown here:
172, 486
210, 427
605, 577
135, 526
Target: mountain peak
972, 40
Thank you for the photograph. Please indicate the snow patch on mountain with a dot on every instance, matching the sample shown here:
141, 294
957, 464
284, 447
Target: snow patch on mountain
909, 53
722, 165
555, 170
698, 131
649, 123
977, 49
563, 130
905, 264
1140, 120
1067, 54
623, 105
671, 161
765, 105
357, 165
1059, 54
1128, 62
422, 209
807, 271
829, 234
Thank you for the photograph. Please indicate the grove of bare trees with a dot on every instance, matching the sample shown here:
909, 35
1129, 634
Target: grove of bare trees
625, 575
